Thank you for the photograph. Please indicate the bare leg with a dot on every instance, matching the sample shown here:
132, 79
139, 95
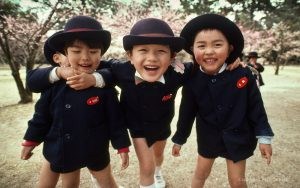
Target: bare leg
48, 178
146, 161
202, 171
158, 152
236, 173
71, 179
105, 177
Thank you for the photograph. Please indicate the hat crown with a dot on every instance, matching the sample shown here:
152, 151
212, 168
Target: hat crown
151, 26
214, 21
253, 54
82, 23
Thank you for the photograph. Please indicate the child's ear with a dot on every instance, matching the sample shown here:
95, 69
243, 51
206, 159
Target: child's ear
56, 58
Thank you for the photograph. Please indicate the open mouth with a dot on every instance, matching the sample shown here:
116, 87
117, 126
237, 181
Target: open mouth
210, 61
151, 68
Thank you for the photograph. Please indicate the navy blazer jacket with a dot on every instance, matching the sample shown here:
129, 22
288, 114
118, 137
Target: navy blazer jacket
148, 107
76, 126
229, 113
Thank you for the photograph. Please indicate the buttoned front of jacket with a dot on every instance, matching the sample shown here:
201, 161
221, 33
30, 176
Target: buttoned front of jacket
229, 113
148, 107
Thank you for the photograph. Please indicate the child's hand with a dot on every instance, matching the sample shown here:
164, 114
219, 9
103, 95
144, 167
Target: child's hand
81, 81
64, 72
176, 150
235, 64
178, 66
266, 152
27, 152
125, 160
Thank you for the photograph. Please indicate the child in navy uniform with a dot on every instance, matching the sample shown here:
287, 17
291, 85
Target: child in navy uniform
82, 122
42, 117
228, 107
149, 83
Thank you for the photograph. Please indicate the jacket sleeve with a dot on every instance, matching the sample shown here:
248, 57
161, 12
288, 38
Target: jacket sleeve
118, 132
37, 80
186, 117
40, 124
257, 115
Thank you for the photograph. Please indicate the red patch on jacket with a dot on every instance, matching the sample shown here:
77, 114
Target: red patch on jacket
167, 97
92, 100
242, 82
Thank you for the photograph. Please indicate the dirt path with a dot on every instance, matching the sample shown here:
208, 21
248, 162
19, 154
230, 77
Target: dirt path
282, 101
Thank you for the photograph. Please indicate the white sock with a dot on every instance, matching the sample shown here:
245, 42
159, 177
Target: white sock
157, 170
148, 186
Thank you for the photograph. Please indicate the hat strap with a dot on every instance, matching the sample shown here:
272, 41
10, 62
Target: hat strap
155, 35
81, 29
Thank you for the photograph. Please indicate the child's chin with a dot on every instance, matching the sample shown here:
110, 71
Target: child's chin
151, 79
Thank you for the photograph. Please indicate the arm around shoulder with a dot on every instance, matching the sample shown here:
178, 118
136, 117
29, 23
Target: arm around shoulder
37, 80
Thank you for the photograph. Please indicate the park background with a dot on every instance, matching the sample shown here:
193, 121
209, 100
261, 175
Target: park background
272, 28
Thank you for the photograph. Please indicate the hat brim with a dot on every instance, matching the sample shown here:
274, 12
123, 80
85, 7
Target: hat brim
214, 21
175, 43
58, 42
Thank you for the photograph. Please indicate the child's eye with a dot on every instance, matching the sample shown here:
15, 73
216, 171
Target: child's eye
75, 51
162, 51
142, 50
218, 44
201, 46
94, 51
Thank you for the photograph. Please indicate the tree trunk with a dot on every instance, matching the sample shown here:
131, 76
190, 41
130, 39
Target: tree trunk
25, 94
277, 64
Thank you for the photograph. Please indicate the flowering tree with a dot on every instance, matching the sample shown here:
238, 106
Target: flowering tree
276, 45
120, 23
21, 35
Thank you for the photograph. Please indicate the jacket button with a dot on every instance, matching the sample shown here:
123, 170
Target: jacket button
213, 80
68, 106
67, 136
219, 107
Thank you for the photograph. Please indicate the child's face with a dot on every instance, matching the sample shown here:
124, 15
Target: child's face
150, 60
83, 58
211, 49
252, 60
61, 59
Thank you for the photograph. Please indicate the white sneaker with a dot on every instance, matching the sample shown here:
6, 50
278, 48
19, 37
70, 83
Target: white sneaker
159, 181
95, 183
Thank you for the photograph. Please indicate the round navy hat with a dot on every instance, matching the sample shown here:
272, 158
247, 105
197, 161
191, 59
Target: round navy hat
49, 51
82, 27
214, 21
253, 54
152, 31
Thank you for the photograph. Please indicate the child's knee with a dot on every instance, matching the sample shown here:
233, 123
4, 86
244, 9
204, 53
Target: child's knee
237, 182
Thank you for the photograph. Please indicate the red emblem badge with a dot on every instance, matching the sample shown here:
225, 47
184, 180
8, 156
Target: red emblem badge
242, 82
167, 97
92, 100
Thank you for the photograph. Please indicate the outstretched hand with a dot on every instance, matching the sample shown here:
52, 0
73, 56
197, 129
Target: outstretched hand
266, 152
27, 152
176, 150
125, 160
